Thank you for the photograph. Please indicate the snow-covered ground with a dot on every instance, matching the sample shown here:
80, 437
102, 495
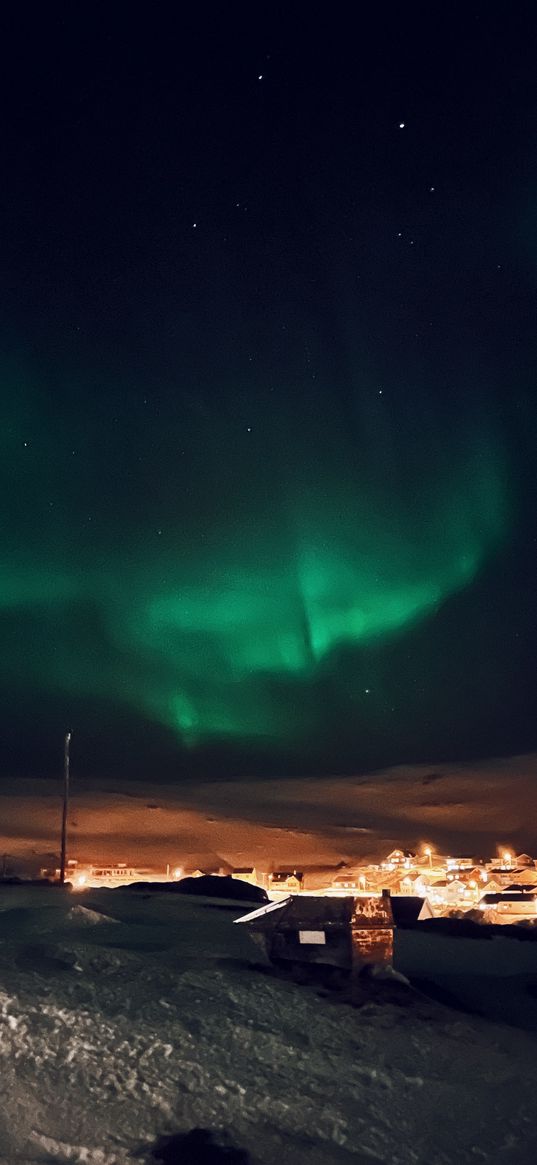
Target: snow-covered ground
123, 1017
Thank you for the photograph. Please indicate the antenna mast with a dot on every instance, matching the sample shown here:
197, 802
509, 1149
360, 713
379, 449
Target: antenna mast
63, 858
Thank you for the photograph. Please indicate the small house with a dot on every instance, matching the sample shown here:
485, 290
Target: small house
414, 883
493, 886
348, 881
510, 906
291, 881
349, 933
458, 864
402, 858
245, 874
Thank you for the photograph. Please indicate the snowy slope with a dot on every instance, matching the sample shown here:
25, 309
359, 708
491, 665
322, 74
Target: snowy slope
150, 1020
461, 808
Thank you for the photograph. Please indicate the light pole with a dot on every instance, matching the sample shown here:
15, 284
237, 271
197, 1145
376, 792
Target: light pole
63, 858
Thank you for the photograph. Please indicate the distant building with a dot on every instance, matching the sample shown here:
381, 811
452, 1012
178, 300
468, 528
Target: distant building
493, 886
510, 906
401, 857
446, 896
350, 881
52, 873
250, 874
504, 874
524, 877
415, 883
112, 876
457, 865
290, 880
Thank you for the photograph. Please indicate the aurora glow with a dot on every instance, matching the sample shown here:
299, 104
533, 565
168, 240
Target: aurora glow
197, 644
267, 481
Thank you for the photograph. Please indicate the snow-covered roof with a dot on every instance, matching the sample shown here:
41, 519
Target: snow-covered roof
319, 911
253, 914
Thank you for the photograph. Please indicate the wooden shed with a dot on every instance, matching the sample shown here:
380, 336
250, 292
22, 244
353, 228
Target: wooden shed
346, 933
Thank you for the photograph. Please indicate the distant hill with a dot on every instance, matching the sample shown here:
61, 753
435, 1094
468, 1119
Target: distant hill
206, 886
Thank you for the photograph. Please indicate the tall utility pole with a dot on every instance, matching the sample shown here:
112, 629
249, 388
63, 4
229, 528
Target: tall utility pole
63, 859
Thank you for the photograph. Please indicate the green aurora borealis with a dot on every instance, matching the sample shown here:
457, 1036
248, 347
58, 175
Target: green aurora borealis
233, 628
267, 365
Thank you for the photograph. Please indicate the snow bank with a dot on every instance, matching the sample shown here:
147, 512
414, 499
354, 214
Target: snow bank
120, 1046
82, 916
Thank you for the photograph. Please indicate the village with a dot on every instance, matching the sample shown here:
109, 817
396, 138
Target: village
502, 889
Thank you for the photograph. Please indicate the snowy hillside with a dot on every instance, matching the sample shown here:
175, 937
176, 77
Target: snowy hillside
123, 1018
468, 808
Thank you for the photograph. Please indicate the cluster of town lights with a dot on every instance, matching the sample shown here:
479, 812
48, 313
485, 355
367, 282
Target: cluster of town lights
361, 880
442, 882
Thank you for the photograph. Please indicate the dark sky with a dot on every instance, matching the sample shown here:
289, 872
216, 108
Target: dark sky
268, 341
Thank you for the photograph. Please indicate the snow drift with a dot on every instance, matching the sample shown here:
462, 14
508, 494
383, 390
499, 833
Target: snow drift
163, 1024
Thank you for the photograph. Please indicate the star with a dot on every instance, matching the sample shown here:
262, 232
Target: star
260, 78
401, 125
194, 224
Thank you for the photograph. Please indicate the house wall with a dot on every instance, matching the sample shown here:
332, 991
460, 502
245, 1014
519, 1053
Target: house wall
371, 945
284, 944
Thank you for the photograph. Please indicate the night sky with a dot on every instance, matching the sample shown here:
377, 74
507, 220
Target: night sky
268, 357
